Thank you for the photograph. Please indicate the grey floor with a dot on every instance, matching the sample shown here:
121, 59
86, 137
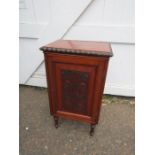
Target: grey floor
114, 135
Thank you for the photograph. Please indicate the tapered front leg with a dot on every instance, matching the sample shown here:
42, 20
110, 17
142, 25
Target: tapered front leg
56, 119
92, 127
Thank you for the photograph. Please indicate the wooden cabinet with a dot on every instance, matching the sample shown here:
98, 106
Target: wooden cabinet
76, 74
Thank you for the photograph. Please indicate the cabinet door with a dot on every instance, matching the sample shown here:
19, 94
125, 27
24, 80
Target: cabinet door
74, 84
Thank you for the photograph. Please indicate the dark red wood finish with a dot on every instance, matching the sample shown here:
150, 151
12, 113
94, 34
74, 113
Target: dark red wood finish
76, 79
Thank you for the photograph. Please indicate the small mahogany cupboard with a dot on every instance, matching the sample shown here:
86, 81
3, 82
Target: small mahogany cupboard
76, 73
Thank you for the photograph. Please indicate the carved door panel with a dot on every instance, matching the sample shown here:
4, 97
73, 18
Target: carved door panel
74, 84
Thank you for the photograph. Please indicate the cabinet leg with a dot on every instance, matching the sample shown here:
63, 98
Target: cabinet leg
56, 119
92, 127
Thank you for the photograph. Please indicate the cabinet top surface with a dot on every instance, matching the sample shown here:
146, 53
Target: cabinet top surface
79, 47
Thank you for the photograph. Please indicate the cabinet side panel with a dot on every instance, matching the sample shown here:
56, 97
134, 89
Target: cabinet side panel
50, 72
99, 88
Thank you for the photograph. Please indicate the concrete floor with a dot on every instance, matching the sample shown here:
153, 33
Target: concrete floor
114, 135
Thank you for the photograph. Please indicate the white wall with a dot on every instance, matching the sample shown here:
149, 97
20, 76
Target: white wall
104, 20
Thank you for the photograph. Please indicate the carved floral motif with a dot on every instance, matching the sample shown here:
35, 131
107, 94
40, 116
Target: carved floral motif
74, 91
